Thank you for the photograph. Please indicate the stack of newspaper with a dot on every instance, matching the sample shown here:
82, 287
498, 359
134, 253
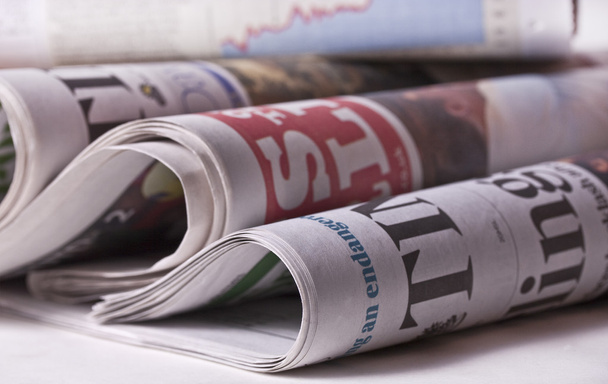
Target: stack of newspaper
153, 204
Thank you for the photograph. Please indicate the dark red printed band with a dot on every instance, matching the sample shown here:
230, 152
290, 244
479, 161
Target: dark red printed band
319, 154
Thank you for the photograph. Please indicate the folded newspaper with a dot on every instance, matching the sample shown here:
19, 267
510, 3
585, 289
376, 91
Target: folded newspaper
170, 186
45, 33
372, 274
47, 117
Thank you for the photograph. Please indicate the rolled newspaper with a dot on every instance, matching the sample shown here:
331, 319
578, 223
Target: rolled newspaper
47, 117
401, 268
373, 274
244, 167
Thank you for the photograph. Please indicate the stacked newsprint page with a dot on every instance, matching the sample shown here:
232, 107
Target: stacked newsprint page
271, 213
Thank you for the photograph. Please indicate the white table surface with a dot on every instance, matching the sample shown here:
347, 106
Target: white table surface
563, 346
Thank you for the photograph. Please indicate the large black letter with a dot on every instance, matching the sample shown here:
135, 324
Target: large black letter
560, 243
412, 228
97, 128
433, 288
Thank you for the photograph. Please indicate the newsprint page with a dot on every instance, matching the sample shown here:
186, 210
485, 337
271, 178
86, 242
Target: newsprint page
304, 190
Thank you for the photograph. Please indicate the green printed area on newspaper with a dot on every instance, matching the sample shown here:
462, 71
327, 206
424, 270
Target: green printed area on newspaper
253, 277
7, 154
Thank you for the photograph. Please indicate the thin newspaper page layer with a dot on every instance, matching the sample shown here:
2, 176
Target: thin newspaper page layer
58, 32
255, 167
258, 333
415, 265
